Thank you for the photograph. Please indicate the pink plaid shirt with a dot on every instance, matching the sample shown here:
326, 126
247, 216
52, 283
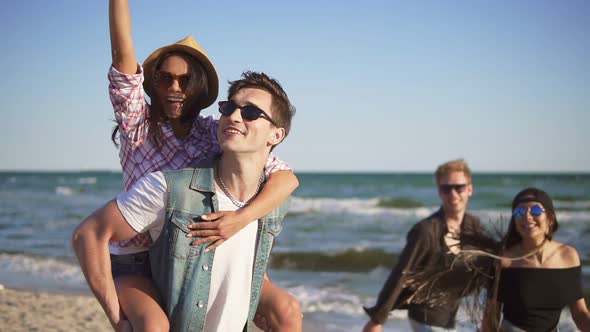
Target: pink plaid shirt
138, 154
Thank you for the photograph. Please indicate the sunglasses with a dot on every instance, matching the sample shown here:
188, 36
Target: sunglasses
248, 112
447, 188
166, 79
520, 212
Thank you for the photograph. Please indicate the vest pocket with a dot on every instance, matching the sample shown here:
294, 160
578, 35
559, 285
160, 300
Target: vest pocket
274, 227
180, 245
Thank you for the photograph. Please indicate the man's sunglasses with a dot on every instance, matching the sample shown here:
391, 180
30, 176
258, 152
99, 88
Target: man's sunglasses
165, 79
447, 188
248, 112
520, 212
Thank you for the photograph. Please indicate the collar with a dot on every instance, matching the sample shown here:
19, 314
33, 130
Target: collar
204, 176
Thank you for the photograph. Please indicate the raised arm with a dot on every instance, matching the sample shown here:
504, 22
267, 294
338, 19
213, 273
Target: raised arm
126, 82
278, 188
122, 51
91, 244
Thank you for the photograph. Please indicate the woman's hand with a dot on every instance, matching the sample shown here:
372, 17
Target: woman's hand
217, 228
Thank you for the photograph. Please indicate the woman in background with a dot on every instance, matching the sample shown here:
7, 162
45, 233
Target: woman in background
545, 277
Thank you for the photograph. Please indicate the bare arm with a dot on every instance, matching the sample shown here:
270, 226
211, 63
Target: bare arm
578, 309
372, 327
122, 51
278, 188
581, 315
570, 258
91, 241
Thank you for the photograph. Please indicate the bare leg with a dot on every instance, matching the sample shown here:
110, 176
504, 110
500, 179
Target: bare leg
278, 310
140, 302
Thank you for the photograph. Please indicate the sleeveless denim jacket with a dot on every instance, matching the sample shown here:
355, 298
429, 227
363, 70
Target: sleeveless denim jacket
181, 272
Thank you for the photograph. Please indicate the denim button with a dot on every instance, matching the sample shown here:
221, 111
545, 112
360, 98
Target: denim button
205, 267
200, 304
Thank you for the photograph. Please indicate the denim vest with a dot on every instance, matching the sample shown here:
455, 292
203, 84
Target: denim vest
181, 272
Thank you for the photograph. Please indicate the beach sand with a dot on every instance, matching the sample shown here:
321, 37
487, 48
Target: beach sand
23, 310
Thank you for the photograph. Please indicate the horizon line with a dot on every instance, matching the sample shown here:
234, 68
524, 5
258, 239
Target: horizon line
517, 172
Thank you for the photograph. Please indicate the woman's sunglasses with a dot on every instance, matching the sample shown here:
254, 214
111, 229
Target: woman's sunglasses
248, 112
521, 211
165, 79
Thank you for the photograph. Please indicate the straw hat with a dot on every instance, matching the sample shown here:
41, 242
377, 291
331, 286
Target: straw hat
190, 46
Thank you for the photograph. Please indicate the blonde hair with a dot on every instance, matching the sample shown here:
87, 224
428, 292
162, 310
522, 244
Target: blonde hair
458, 165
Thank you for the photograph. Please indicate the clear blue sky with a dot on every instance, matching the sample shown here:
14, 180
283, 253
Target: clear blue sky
378, 85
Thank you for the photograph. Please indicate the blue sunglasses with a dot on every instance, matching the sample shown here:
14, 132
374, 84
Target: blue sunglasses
520, 212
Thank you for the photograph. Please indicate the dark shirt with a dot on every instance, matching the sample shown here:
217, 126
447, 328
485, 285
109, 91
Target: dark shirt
534, 297
425, 250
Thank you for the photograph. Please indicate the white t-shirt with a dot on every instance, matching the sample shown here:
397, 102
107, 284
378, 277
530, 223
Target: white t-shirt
144, 207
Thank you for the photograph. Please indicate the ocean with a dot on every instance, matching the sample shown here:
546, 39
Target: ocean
337, 246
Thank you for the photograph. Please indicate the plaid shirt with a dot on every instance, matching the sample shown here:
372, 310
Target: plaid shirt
138, 154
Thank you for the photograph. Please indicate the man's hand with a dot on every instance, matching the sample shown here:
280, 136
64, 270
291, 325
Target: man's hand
217, 228
372, 327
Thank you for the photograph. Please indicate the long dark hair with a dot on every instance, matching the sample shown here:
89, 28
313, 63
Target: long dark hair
198, 83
